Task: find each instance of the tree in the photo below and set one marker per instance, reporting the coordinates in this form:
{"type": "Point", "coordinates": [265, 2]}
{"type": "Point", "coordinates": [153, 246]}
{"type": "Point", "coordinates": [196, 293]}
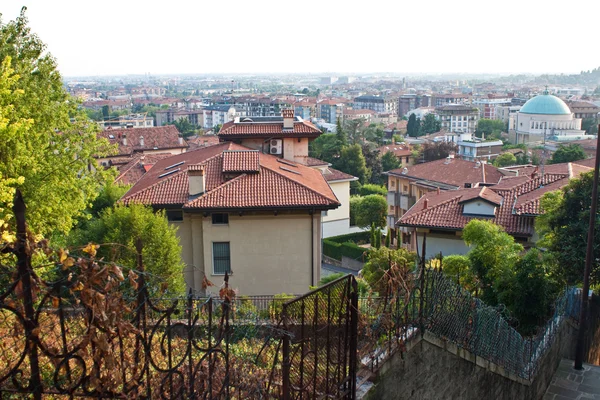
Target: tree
{"type": "Point", "coordinates": [47, 144]}
{"type": "Point", "coordinates": [373, 163]}
{"type": "Point", "coordinates": [184, 126]}
{"type": "Point", "coordinates": [372, 209]}
{"type": "Point", "coordinates": [493, 256]}
{"type": "Point", "coordinates": [370, 188]}
{"type": "Point", "coordinates": [568, 153]}
{"type": "Point", "coordinates": [389, 161]}
{"type": "Point", "coordinates": [458, 268]}
{"type": "Point", "coordinates": [505, 159]}
{"type": "Point", "coordinates": [563, 229]}
{"type": "Point", "coordinates": [124, 225]}
{"type": "Point", "coordinates": [412, 128]}
{"type": "Point", "coordinates": [353, 131]}
{"type": "Point", "coordinates": [436, 151]}
{"type": "Point", "coordinates": [326, 147]}
{"type": "Point", "coordinates": [352, 161]}
{"type": "Point", "coordinates": [431, 124]}
{"type": "Point", "coordinates": [388, 238]}
{"type": "Point", "coordinates": [340, 134]}
{"type": "Point", "coordinates": [590, 125]}
{"type": "Point", "coordinates": [380, 261]}
{"type": "Point", "coordinates": [491, 128]}
{"type": "Point", "coordinates": [354, 208]}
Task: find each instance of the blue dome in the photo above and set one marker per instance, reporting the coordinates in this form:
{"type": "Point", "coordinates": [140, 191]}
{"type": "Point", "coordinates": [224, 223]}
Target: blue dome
{"type": "Point", "coordinates": [545, 104]}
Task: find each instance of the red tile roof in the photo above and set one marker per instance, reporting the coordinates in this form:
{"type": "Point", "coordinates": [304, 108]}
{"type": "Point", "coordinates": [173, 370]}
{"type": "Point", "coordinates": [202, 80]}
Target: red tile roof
{"type": "Point", "coordinates": [517, 200]}
{"type": "Point", "coordinates": [240, 161]}
{"type": "Point", "coordinates": [155, 138]}
{"type": "Point", "coordinates": [137, 167]}
{"type": "Point", "coordinates": [333, 175]}
{"type": "Point", "coordinates": [314, 162]}
{"type": "Point", "coordinates": [399, 150]}
{"type": "Point", "coordinates": [278, 183]}
{"type": "Point", "coordinates": [454, 172]}
{"type": "Point", "coordinates": [239, 130]}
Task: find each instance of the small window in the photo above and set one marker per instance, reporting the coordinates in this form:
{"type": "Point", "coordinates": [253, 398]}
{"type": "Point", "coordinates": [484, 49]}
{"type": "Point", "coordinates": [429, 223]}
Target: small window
{"type": "Point", "coordinates": [220, 219]}
{"type": "Point", "coordinates": [221, 258]}
{"type": "Point", "coordinates": [393, 183]}
{"type": "Point", "coordinates": [405, 189]}
{"type": "Point", "coordinates": [174, 215]}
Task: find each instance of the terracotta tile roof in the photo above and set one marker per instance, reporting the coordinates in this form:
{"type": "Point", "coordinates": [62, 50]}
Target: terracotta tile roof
{"type": "Point", "coordinates": [155, 138]}
{"type": "Point", "coordinates": [240, 161]}
{"type": "Point", "coordinates": [233, 130]}
{"type": "Point", "coordinates": [278, 183]}
{"type": "Point", "coordinates": [314, 162]}
{"type": "Point", "coordinates": [456, 172]}
{"type": "Point", "coordinates": [202, 141]}
{"type": "Point", "coordinates": [399, 150]}
{"type": "Point", "coordinates": [517, 200]}
{"type": "Point", "coordinates": [137, 167]}
{"type": "Point", "coordinates": [485, 194]}
{"type": "Point", "coordinates": [332, 175]}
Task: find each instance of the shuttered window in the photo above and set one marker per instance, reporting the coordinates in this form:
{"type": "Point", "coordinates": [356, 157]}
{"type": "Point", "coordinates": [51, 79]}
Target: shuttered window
{"type": "Point", "coordinates": [221, 258]}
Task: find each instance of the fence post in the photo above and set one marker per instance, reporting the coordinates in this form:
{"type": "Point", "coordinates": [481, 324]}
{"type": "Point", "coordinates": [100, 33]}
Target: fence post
{"type": "Point", "coordinates": [422, 287]}
{"type": "Point", "coordinates": [286, 356]}
{"type": "Point", "coordinates": [353, 336]}
{"type": "Point", "coordinates": [25, 276]}
{"type": "Point", "coordinates": [140, 318]}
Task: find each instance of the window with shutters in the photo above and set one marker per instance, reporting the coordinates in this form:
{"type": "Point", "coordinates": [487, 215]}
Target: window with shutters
{"type": "Point", "coordinates": [221, 258]}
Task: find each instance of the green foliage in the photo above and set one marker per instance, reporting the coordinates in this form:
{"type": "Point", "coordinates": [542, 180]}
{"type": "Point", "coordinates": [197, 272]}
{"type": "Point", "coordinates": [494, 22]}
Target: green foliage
{"type": "Point", "coordinates": [340, 134]}
{"type": "Point", "coordinates": [430, 124]}
{"type": "Point", "coordinates": [436, 150]}
{"type": "Point", "coordinates": [372, 209]}
{"type": "Point", "coordinates": [358, 238]}
{"type": "Point", "coordinates": [354, 208]}
{"type": "Point", "coordinates": [337, 250]}
{"type": "Point", "coordinates": [184, 126]}
{"type": "Point", "coordinates": [123, 226]}
{"type": "Point", "coordinates": [458, 267]}
{"type": "Point", "coordinates": [590, 125]}
{"type": "Point", "coordinates": [370, 188]}
{"type": "Point", "coordinates": [413, 127]}
{"type": "Point", "coordinates": [493, 256]}
{"type": "Point", "coordinates": [330, 278]}
{"type": "Point", "coordinates": [380, 261]}
{"type": "Point", "coordinates": [398, 138]}
{"type": "Point", "coordinates": [373, 163]}
{"type": "Point", "coordinates": [352, 161]}
{"type": "Point", "coordinates": [326, 147]}
{"type": "Point", "coordinates": [46, 141]}
{"type": "Point", "coordinates": [491, 128]}
{"type": "Point", "coordinates": [505, 159]}
{"type": "Point", "coordinates": [388, 238]}
{"type": "Point", "coordinates": [563, 229]}
{"type": "Point", "coordinates": [389, 161]}
{"type": "Point", "coordinates": [568, 153]}
{"type": "Point", "coordinates": [373, 233]}
{"type": "Point", "coordinates": [378, 238]}
{"type": "Point", "coordinates": [107, 197]}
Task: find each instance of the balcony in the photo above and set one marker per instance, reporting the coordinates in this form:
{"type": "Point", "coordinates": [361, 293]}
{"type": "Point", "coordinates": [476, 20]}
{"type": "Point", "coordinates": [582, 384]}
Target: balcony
{"type": "Point", "coordinates": [397, 199]}
{"type": "Point", "coordinates": [391, 221]}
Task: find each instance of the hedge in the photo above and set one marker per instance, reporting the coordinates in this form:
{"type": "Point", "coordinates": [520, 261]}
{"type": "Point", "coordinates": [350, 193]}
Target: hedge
{"type": "Point", "coordinates": [357, 237]}
{"type": "Point", "coordinates": [371, 188]}
{"type": "Point", "coordinates": [337, 250]}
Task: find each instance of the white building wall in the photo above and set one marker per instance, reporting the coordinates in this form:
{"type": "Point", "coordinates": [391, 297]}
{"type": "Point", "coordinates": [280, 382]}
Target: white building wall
{"type": "Point", "coordinates": [446, 245]}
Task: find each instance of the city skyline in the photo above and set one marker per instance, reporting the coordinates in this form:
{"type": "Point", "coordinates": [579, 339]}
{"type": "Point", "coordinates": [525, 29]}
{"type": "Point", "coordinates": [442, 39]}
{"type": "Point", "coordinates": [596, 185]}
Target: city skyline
{"type": "Point", "coordinates": [123, 38]}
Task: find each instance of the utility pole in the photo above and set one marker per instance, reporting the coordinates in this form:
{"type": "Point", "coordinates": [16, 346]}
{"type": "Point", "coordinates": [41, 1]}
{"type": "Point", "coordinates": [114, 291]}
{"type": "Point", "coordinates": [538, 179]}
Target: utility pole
{"type": "Point", "coordinates": [589, 255]}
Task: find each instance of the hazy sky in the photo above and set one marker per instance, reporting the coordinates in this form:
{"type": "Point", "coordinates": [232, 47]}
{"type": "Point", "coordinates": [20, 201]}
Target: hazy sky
{"type": "Point", "coordinates": [111, 37]}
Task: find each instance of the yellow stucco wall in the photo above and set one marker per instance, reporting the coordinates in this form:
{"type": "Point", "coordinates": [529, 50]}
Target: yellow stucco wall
{"type": "Point", "coordinates": [269, 254]}
{"type": "Point", "coordinates": [342, 192]}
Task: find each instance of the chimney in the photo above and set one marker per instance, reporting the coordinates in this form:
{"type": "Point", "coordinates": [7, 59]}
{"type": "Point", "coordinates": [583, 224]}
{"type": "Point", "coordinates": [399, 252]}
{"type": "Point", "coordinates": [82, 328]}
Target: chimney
{"type": "Point", "coordinates": [124, 139]}
{"type": "Point", "coordinates": [425, 203]}
{"type": "Point", "coordinates": [288, 119]}
{"type": "Point", "coordinates": [196, 180]}
{"type": "Point", "coordinates": [141, 141]}
{"type": "Point", "coordinates": [180, 140]}
{"type": "Point", "coordinates": [438, 190]}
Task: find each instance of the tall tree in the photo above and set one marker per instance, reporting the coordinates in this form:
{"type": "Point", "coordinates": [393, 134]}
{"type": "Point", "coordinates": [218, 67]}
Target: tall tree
{"type": "Point", "coordinates": [47, 146]}
{"type": "Point", "coordinates": [352, 161]}
{"type": "Point", "coordinates": [412, 128]}
{"type": "Point", "coordinates": [568, 153]}
{"type": "Point", "coordinates": [373, 162]}
{"type": "Point", "coordinates": [372, 209]}
{"type": "Point", "coordinates": [341, 134]}
{"type": "Point", "coordinates": [352, 128]}
{"type": "Point", "coordinates": [389, 161]}
{"type": "Point", "coordinates": [431, 124]}
{"type": "Point", "coordinates": [505, 159]}
{"type": "Point", "coordinates": [326, 147]}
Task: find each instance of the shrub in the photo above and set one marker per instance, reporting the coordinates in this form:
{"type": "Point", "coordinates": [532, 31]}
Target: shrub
{"type": "Point", "coordinates": [371, 188]}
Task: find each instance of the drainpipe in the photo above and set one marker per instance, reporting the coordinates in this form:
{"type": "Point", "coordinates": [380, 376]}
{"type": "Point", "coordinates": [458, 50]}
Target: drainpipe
{"type": "Point", "coordinates": [312, 246]}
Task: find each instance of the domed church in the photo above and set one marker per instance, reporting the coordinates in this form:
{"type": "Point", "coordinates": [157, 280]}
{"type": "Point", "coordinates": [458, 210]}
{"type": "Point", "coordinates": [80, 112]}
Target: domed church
{"type": "Point", "coordinates": [545, 115]}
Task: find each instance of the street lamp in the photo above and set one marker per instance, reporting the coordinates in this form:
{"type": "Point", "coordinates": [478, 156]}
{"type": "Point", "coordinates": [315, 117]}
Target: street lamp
{"type": "Point", "coordinates": [588, 263]}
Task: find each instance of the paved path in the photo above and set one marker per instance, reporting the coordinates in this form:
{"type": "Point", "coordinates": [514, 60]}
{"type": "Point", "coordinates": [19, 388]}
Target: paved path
{"type": "Point", "coordinates": [568, 383]}
{"type": "Point", "coordinates": [328, 269]}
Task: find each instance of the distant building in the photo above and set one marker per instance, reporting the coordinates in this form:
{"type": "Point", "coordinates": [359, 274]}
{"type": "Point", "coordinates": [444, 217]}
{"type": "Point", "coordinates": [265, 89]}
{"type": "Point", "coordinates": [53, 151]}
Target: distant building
{"type": "Point", "coordinates": [164, 117]}
{"type": "Point", "coordinates": [583, 109]}
{"type": "Point", "coordinates": [439, 100]}
{"type": "Point", "coordinates": [217, 115]}
{"type": "Point", "coordinates": [487, 105]}
{"type": "Point", "coordinates": [330, 111]}
{"type": "Point", "coordinates": [409, 102]}
{"type": "Point", "coordinates": [128, 121]}
{"type": "Point", "coordinates": [545, 117]}
{"type": "Point", "coordinates": [378, 104]}
{"type": "Point", "coordinates": [471, 148]}
{"type": "Point", "coordinates": [350, 114]}
{"type": "Point", "coordinates": [458, 118]}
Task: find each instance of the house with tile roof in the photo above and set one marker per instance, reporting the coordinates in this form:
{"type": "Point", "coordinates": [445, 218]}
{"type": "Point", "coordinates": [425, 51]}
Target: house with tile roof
{"type": "Point", "coordinates": [243, 212]}
{"type": "Point", "coordinates": [287, 137]}
{"type": "Point", "coordinates": [158, 139]}
{"type": "Point", "coordinates": [512, 203]}
{"type": "Point", "coordinates": [408, 184]}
